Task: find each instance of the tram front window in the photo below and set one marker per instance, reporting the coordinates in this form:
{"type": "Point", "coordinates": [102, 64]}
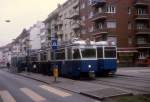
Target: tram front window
{"type": "Point", "coordinates": [88, 53]}
{"type": "Point", "coordinates": [110, 52]}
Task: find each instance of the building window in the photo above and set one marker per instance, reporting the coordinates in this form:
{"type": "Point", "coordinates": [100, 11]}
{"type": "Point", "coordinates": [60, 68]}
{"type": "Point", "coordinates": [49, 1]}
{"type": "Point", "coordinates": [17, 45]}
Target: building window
{"type": "Point", "coordinates": [83, 31]}
{"type": "Point", "coordinates": [82, 5]}
{"type": "Point", "coordinates": [129, 40]}
{"type": "Point", "coordinates": [89, 2]}
{"type": "Point", "coordinates": [141, 11]}
{"type": "Point", "coordinates": [129, 25]}
{"type": "Point", "coordinates": [141, 40]}
{"type": "Point", "coordinates": [111, 24]}
{"type": "Point", "coordinates": [129, 10]}
{"type": "Point", "coordinates": [91, 14]}
{"type": "Point", "coordinates": [100, 25]}
{"type": "Point", "coordinates": [112, 39]}
{"type": "Point", "coordinates": [100, 10]}
{"type": "Point", "coordinates": [141, 26]}
{"type": "Point", "coordinates": [83, 18]}
{"type": "Point", "coordinates": [91, 29]}
{"type": "Point", "coordinates": [111, 9]}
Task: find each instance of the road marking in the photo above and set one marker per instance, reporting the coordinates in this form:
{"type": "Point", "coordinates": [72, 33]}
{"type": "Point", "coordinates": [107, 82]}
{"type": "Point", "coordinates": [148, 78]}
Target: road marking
{"type": "Point", "coordinates": [55, 91]}
{"type": "Point", "coordinates": [34, 96]}
{"type": "Point", "coordinates": [6, 96]}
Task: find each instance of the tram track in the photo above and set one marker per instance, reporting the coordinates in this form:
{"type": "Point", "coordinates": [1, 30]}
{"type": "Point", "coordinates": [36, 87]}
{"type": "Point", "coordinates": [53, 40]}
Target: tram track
{"type": "Point", "coordinates": [124, 87]}
{"type": "Point", "coordinates": [127, 82]}
{"type": "Point", "coordinates": [133, 77]}
{"type": "Point", "coordinates": [134, 84]}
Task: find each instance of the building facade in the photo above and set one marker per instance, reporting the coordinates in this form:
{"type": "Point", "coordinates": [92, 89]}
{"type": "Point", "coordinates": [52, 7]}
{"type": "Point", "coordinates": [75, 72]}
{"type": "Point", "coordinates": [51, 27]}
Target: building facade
{"type": "Point", "coordinates": [126, 22]}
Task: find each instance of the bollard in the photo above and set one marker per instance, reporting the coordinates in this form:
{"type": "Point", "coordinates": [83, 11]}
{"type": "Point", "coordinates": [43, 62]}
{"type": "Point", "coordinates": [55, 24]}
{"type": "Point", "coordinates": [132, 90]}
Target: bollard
{"type": "Point", "coordinates": [55, 73]}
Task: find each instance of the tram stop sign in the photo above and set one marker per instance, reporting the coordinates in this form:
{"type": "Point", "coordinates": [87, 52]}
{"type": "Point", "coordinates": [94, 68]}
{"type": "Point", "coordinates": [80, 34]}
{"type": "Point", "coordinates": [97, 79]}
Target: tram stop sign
{"type": "Point", "coordinates": [54, 44]}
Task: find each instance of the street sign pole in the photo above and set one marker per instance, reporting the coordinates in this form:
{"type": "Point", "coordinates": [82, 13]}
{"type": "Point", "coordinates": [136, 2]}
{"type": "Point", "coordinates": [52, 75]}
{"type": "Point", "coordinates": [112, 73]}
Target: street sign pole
{"type": "Point", "coordinates": [55, 68]}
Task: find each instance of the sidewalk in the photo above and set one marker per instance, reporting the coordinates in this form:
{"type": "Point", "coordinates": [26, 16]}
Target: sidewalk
{"type": "Point", "coordinates": [85, 88]}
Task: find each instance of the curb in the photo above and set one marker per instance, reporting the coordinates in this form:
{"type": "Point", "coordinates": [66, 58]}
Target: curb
{"type": "Point", "coordinates": [98, 98]}
{"type": "Point", "coordinates": [81, 93]}
{"type": "Point", "coordinates": [48, 83]}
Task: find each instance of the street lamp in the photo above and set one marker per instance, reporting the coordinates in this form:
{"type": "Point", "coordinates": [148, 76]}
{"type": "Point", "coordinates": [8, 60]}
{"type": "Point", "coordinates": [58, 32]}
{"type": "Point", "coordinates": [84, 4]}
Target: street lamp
{"type": "Point", "coordinates": [7, 21]}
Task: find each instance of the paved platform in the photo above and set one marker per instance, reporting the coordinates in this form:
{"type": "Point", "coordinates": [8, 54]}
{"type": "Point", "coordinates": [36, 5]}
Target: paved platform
{"type": "Point", "coordinates": [89, 89]}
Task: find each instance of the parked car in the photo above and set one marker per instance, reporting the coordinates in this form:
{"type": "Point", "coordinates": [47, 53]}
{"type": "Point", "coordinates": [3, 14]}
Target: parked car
{"type": "Point", "coordinates": [148, 61]}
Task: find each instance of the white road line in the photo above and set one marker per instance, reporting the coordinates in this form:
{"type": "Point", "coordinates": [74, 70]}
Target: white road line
{"type": "Point", "coordinates": [55, 91]}
{"type": "Point", "coordinates": [34, 96]}
{"type": "Point", "coordinates": [6, 96]}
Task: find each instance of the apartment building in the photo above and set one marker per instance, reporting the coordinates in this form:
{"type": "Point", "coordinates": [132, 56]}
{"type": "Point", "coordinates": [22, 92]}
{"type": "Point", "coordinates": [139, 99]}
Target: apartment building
{"type": "Point", "coordinates": [36, 39]}
{"type": "Point", "coordinates": [126, 22]}
{"type": "Point", "coordinates": [68, 21]}
{"type": "Point", "coordinates": [50, 31]}
{"type": "Point", "coordinates": [64, 21]}
{"type": "Point", "coordinates": [21, 42]}
{"type": "Point", "coordinates": [5, 55]}
{"type": "Point", "coordinates": [63, 24]}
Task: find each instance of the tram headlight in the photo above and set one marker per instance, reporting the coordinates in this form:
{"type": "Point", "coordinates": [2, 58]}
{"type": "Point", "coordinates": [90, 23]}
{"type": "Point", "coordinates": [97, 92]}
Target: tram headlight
{"type": "Point", "coordinates": [89, 66]}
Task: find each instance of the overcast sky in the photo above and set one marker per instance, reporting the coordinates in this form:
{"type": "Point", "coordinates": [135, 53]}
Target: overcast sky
{"type": "Point", "coordinates": [23, 14]}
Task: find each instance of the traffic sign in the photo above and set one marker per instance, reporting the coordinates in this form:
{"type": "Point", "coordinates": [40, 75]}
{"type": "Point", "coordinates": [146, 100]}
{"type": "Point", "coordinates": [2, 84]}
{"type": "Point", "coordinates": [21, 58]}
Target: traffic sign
{"type": "Point", "coordinates": [54, 44]}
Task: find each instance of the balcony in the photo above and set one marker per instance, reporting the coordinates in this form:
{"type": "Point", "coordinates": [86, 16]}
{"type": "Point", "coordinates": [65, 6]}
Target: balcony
{"type": "Point", "coordinates": [141, 3]}
{"type": "Point", "coordinates": [96, 3]}
{"type": "Point", "coordinates": [142, 16]}
{"type": "Point", "coordinates": [142, 31]}
{"type": "Point", "coordinates": [75, 15]}
{"type": "Point", "coordinates": [144, 45]}
{"type": "Point", "coordinates": [75, 26]}
{"type": "Point", "coordinates": [59, 22]}
{"type": "Point", "coordinates": [99, 17]}
{"type": "Point", "coordinates": [59, 32]}
{"type": "Point", "coordinates": [99, 32]}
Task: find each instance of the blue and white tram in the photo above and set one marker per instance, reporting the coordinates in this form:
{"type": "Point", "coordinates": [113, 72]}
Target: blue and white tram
{"type": "Point", "coordinates": [106, 58]}
{"type": "Point", "coordinates": [81, 58]}
{"type": "Point", "coordinates": [77, 59]}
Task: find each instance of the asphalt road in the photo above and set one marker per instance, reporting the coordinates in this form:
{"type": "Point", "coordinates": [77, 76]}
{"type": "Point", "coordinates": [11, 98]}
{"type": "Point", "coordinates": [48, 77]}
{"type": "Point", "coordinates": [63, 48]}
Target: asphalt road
{"type": "Point", "coordinates": [14, 88]}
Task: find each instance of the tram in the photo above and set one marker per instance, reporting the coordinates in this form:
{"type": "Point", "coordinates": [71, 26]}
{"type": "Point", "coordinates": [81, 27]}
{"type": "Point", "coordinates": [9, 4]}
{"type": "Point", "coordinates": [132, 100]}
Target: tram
{"type": "Point", "coordinates": [81, 58]}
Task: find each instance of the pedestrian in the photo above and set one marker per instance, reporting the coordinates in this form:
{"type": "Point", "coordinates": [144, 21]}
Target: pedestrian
{"type": "Point", "coordinates": [8, 65]}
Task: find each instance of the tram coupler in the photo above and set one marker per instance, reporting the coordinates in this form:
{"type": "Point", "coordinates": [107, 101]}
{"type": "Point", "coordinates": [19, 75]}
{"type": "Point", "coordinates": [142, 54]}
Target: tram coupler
{"type": "Point", "coordinates": [91, 74]}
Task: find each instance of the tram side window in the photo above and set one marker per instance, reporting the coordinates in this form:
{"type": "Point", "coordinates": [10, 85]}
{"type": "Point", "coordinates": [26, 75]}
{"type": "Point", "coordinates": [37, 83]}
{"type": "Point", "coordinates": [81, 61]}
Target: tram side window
{"type": "Point", "coordinates": [110, 52]}
{"type": "Point", "coordinates": [69, 53]}
{"type": "Point", "coordinates": [52, 55]}
{"type": "Point", "coordinates": [100, 52]}
{"type": "Point", "coordinates": [76, 54]}
{"type": "Point", "coordinates": [60, 55]}
{"type": "Point", "coordinates": [88, 53]}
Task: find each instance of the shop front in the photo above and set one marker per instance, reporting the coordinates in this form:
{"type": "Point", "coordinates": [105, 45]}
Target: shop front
{"type": "Point", "coordinates": [127, 57]}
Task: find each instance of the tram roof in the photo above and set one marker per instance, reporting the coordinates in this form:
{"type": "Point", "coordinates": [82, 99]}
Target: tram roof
{"type": "Point", "coordinates": [90, 43]}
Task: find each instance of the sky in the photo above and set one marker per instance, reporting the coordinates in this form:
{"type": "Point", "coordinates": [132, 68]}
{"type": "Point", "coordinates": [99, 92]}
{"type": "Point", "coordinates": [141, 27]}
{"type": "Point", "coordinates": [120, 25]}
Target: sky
{"type": "Point", "coordinates": [22, 14]}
